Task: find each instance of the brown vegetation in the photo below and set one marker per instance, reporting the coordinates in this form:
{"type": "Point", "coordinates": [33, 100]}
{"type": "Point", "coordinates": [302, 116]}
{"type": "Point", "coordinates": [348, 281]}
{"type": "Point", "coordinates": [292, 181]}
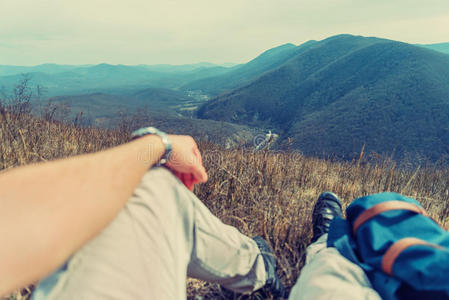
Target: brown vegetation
{"type": "Point", "coordinates": [261, 193]}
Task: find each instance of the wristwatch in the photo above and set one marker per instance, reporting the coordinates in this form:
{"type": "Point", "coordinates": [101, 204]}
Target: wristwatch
{"type": "Point", "coordinates": [164, 137]}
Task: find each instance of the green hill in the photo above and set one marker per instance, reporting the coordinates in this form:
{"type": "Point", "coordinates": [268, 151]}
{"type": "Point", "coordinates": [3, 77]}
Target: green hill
{"type": "Point", "coordinates": [348, 91]}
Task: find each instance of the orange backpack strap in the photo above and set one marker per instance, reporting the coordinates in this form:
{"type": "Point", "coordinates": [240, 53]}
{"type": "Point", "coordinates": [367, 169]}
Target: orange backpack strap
{"type": "Point", "coordinates": [383, 207]}
{"type": "Point", "coordinates": [397, 248]}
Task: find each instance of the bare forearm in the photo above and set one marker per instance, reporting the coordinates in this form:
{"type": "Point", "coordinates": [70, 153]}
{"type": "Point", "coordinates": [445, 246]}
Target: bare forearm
{"type": "Point", "coordinates": [49, 211]}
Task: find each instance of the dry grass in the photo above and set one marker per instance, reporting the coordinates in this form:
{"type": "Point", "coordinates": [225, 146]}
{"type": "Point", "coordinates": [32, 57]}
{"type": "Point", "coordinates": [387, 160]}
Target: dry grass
{"type": "Point", "coordinates": [272, 194]}
{"type": "Point", "coordinates": [26, 139]}
{"type": "Point", "coordinates": [263, 193]}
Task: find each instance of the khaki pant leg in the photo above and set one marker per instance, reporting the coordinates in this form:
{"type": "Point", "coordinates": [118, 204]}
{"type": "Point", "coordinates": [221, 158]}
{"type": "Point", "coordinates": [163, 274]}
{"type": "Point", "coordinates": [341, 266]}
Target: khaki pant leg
{"type": "Point", "coordinates": [163, 233]}
{"type": "Point", "coordinates": [329, 275]}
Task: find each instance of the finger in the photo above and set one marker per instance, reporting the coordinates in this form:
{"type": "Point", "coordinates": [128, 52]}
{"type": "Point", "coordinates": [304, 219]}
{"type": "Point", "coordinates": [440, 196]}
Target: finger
{"type": "Point", "coordinates": [199, 173]}
{"type": "Point", "coordinates": [201, 178]}
{"type": "Point", "coordinates": [197, 154]}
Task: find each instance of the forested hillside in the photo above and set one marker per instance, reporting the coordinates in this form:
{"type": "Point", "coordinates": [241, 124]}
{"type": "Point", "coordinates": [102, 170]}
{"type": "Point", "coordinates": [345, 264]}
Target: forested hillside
{"type": "Point", "coordinates": [346, 92]}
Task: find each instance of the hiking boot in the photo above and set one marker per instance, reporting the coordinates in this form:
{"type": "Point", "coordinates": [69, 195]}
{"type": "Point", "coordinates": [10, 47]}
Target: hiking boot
{"type": "Point", "coordinates": [326, 208]}
{"type": "Point", "coordinates": [272, 285]}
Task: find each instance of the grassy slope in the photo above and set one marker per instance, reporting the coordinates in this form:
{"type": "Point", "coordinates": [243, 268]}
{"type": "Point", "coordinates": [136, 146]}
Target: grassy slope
{"type": "Point", "coordinates": [265, 193]}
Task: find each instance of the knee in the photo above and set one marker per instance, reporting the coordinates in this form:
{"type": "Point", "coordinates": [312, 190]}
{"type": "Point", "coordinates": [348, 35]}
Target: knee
{"type": "Point", "coordinates": [162, 191]}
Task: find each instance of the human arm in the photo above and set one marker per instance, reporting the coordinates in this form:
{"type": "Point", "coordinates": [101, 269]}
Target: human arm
{"type": "Point", "coordinates": [49, 210]}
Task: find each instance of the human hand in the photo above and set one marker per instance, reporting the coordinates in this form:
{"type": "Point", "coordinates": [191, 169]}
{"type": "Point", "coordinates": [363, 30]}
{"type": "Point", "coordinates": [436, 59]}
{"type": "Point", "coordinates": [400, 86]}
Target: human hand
{"type": "Point", "coordinates": [185, 161]}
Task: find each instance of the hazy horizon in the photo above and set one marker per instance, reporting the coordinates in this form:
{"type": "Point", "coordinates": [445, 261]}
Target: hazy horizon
{"type": "Point", "coordinates": [179, 32]}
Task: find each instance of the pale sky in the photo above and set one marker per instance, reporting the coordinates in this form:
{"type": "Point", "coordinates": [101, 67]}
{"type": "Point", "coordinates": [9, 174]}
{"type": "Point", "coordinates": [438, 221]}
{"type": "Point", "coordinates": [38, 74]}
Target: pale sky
{"type": "Point", "coordinates": [189, 31]}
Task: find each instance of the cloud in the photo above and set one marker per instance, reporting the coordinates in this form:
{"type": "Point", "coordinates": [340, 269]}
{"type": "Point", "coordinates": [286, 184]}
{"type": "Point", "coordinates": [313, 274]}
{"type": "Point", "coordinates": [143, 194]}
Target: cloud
{"type": "Point", "coordinates": [180, 31]}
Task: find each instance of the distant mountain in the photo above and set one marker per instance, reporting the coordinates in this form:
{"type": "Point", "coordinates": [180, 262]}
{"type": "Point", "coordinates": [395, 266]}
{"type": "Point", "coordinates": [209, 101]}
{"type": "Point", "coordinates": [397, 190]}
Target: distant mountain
{"type": "Point", "coordinates": [85, 79]}
{"type": "Point", "coordinates": [441, 47]}
{"type": "Point", "coordinates": [205, 78]}
{"type": "Point", "coordinates": [6, 70]}
{"type": "Point", "coordinates": [44, 68]}
{"type": "Point", "coordinates": [243, 74]}
{"type": "Point", "coordinates": [72, 80]}
{"type": "Point", "coordinates": [348, 91]}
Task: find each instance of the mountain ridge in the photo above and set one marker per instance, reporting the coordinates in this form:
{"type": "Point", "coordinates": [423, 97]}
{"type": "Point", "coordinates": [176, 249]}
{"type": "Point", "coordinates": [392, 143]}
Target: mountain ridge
{"type": "Point", "coordinates": [244, 74]}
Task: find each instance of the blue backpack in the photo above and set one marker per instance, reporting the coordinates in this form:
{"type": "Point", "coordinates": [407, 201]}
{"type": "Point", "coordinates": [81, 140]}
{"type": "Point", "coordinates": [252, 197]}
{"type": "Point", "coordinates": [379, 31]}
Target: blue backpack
{"type": "Point", "coordinates": [404, 252]}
